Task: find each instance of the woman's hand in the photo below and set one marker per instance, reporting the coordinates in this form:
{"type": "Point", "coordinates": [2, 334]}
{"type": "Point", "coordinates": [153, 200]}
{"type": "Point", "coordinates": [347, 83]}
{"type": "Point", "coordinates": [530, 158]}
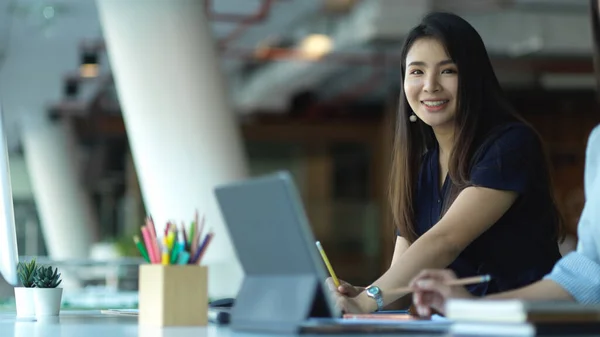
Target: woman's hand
{"type": "Point", "coordinates": [346, 296]}
{"type": "Point", "coordinates": [431, 291]}
{"type": "Point", "coordinates": [344, 288]}
{"type": "Point", "coordinates": [351, 305]}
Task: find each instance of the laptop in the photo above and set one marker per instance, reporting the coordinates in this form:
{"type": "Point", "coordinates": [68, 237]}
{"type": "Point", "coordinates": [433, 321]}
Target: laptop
{"type": "Point", "coordinates": [284, 287]}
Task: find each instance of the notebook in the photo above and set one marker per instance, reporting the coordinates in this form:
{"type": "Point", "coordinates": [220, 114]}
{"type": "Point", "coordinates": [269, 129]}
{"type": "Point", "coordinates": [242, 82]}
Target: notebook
{"type": "Point", "coordinates": [524, 329]}
{"type": "Point", "coordinates": [519, 311]}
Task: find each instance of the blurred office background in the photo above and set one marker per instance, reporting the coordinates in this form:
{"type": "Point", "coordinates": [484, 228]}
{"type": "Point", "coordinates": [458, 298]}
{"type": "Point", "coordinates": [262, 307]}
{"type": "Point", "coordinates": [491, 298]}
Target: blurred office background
{"type": "Point", "coordinates": [313, 86]}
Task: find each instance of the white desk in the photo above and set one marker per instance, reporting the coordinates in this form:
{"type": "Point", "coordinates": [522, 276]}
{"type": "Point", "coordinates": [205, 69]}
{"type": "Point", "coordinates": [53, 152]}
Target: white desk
{"type": "Point", "coordinates": [94, 324]}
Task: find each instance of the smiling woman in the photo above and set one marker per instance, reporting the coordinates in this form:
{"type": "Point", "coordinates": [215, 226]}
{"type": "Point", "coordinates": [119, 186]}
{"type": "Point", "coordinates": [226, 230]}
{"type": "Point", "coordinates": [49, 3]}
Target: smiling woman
{"type": "Point", "coordinates": [470, 185]}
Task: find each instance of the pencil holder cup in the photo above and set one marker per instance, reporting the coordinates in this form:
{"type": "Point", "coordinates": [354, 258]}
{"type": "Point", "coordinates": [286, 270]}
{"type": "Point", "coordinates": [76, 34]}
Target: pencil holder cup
{"type": "Point", "coordinates": [173, 295]}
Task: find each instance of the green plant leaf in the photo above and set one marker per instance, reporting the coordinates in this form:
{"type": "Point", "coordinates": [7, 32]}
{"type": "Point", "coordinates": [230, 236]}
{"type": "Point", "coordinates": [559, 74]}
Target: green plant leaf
{"type": "Point", "coordinates": [46, 277]}
{"type": "Point", "coordinates": [26, 271]}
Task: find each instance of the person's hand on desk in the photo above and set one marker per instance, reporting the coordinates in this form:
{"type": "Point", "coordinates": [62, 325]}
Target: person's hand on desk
{"type": "Point", "coordinates": [353, 305]}
{"type": "Point", "coordinates": [344, 288]}
{"type": "Point", "coordinates": [431, 291]}
{"type": "Point", "coordinates": [345, 296]}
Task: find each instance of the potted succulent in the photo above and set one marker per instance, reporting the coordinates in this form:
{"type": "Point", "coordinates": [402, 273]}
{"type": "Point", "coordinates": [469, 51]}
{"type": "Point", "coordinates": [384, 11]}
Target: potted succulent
{"type": "Point", "coordinates": [47, 296]}
{"type": "Point", "coordinates": [24, 294]}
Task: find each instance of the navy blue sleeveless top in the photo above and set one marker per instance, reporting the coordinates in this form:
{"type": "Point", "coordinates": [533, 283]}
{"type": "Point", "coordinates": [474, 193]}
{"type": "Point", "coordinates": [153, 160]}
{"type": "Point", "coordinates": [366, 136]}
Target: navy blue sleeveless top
{"type": "Point", "coordinates": [521, 247]}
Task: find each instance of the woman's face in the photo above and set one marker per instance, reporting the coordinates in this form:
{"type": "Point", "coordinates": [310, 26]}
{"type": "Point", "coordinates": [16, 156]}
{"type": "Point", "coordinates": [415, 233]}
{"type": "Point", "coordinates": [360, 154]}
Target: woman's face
{"type": "Point", "coordinates": [431, 83]}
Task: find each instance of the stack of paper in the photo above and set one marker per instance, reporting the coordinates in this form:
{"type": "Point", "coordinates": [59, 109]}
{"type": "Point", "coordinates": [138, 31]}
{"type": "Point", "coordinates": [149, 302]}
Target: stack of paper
{"type": "Point", "coordinates": [516, 317]}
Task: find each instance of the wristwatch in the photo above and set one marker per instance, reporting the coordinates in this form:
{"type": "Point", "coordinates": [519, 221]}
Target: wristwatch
{"type": "Point", "coordinates": [375, 293]}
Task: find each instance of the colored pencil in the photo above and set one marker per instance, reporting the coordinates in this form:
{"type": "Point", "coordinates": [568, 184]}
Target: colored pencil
{"type": "Point", "coordinates": [153, 237]}
{"type": "Point", "coordinates": [336, 281]}
{"type": "Point", "coordinates": [149, 246]}
{"type": "Point", "coordinates": [460, 282]}
{"type": "Point", "coordinates": [209, 238]}
{"type": "Point", "coordinates": [141, 248]}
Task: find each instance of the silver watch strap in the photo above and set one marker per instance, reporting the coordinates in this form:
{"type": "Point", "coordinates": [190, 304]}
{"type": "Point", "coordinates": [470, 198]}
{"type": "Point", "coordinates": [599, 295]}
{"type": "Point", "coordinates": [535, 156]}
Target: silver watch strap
{"type": "Point", "coordinates": [379, 301]}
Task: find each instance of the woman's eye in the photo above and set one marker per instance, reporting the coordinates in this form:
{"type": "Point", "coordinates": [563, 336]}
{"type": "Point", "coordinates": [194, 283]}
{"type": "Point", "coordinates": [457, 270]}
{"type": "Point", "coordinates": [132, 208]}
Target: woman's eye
{"type": "Point", "coordinates": [449, 71]}
{"type": "Point", "coordinates": [416, 72]}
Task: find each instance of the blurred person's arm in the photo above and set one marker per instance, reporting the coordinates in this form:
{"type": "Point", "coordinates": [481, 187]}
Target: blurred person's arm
{"type": "Point", "coordinates": [431, 292]}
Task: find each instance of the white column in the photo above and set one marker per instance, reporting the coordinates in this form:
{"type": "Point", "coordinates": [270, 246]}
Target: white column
{"type": "Point", "coordinates": [182, 132]}
{"type": "Point", "coordinates": [66, 216]}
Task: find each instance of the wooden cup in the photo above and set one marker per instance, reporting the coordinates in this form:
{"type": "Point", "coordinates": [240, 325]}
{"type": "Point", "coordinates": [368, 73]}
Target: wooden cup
{"type": "Point", "coordinates": [173, 295]}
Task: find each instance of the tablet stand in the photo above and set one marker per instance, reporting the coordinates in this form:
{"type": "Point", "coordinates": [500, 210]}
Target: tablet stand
{"type": "Point", "coordinates": [277, 303]}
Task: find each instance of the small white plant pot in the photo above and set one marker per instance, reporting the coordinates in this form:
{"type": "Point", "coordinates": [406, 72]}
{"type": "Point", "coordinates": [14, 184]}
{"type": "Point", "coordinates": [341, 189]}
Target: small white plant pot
{"type": "Point", "coordinates": [24, 300]}
{"type": "Point", "coordinates": [47, 301]}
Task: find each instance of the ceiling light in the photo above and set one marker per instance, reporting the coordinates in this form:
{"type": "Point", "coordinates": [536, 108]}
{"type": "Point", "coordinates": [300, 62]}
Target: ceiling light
{"type": "Point", "coordinates": [315, 46]}
{"type": "Point", "coordinates": [89, 64]}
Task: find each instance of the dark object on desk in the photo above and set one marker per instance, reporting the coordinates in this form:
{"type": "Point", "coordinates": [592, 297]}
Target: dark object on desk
{"type": "Point", "coordinates": [219, 311]}
{"type": "Point", "coordinates": [222, 303]}
{"type": "Point", "coordinates": [219, 315]}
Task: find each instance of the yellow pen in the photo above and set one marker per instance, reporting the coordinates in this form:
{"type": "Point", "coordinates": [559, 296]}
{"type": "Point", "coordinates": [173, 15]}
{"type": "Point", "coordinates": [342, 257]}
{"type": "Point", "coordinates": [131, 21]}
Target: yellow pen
{"type": "Point", "coordinates": [326, 260]}
{"type": "Point", "coordinates": [170, 240]}
{"type": "Point", "coordinates": [166, 259]}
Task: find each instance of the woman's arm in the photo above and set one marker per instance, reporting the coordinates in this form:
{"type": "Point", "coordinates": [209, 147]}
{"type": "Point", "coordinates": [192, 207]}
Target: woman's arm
{"type": "Point", "coordinates": [405, 301]}
{"type": "Point", "coordinates": [347, 289]}
{"type": "Point", "coordinates": [401, 246]}
{"type": "Point", "coordinates": [474, 211]}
